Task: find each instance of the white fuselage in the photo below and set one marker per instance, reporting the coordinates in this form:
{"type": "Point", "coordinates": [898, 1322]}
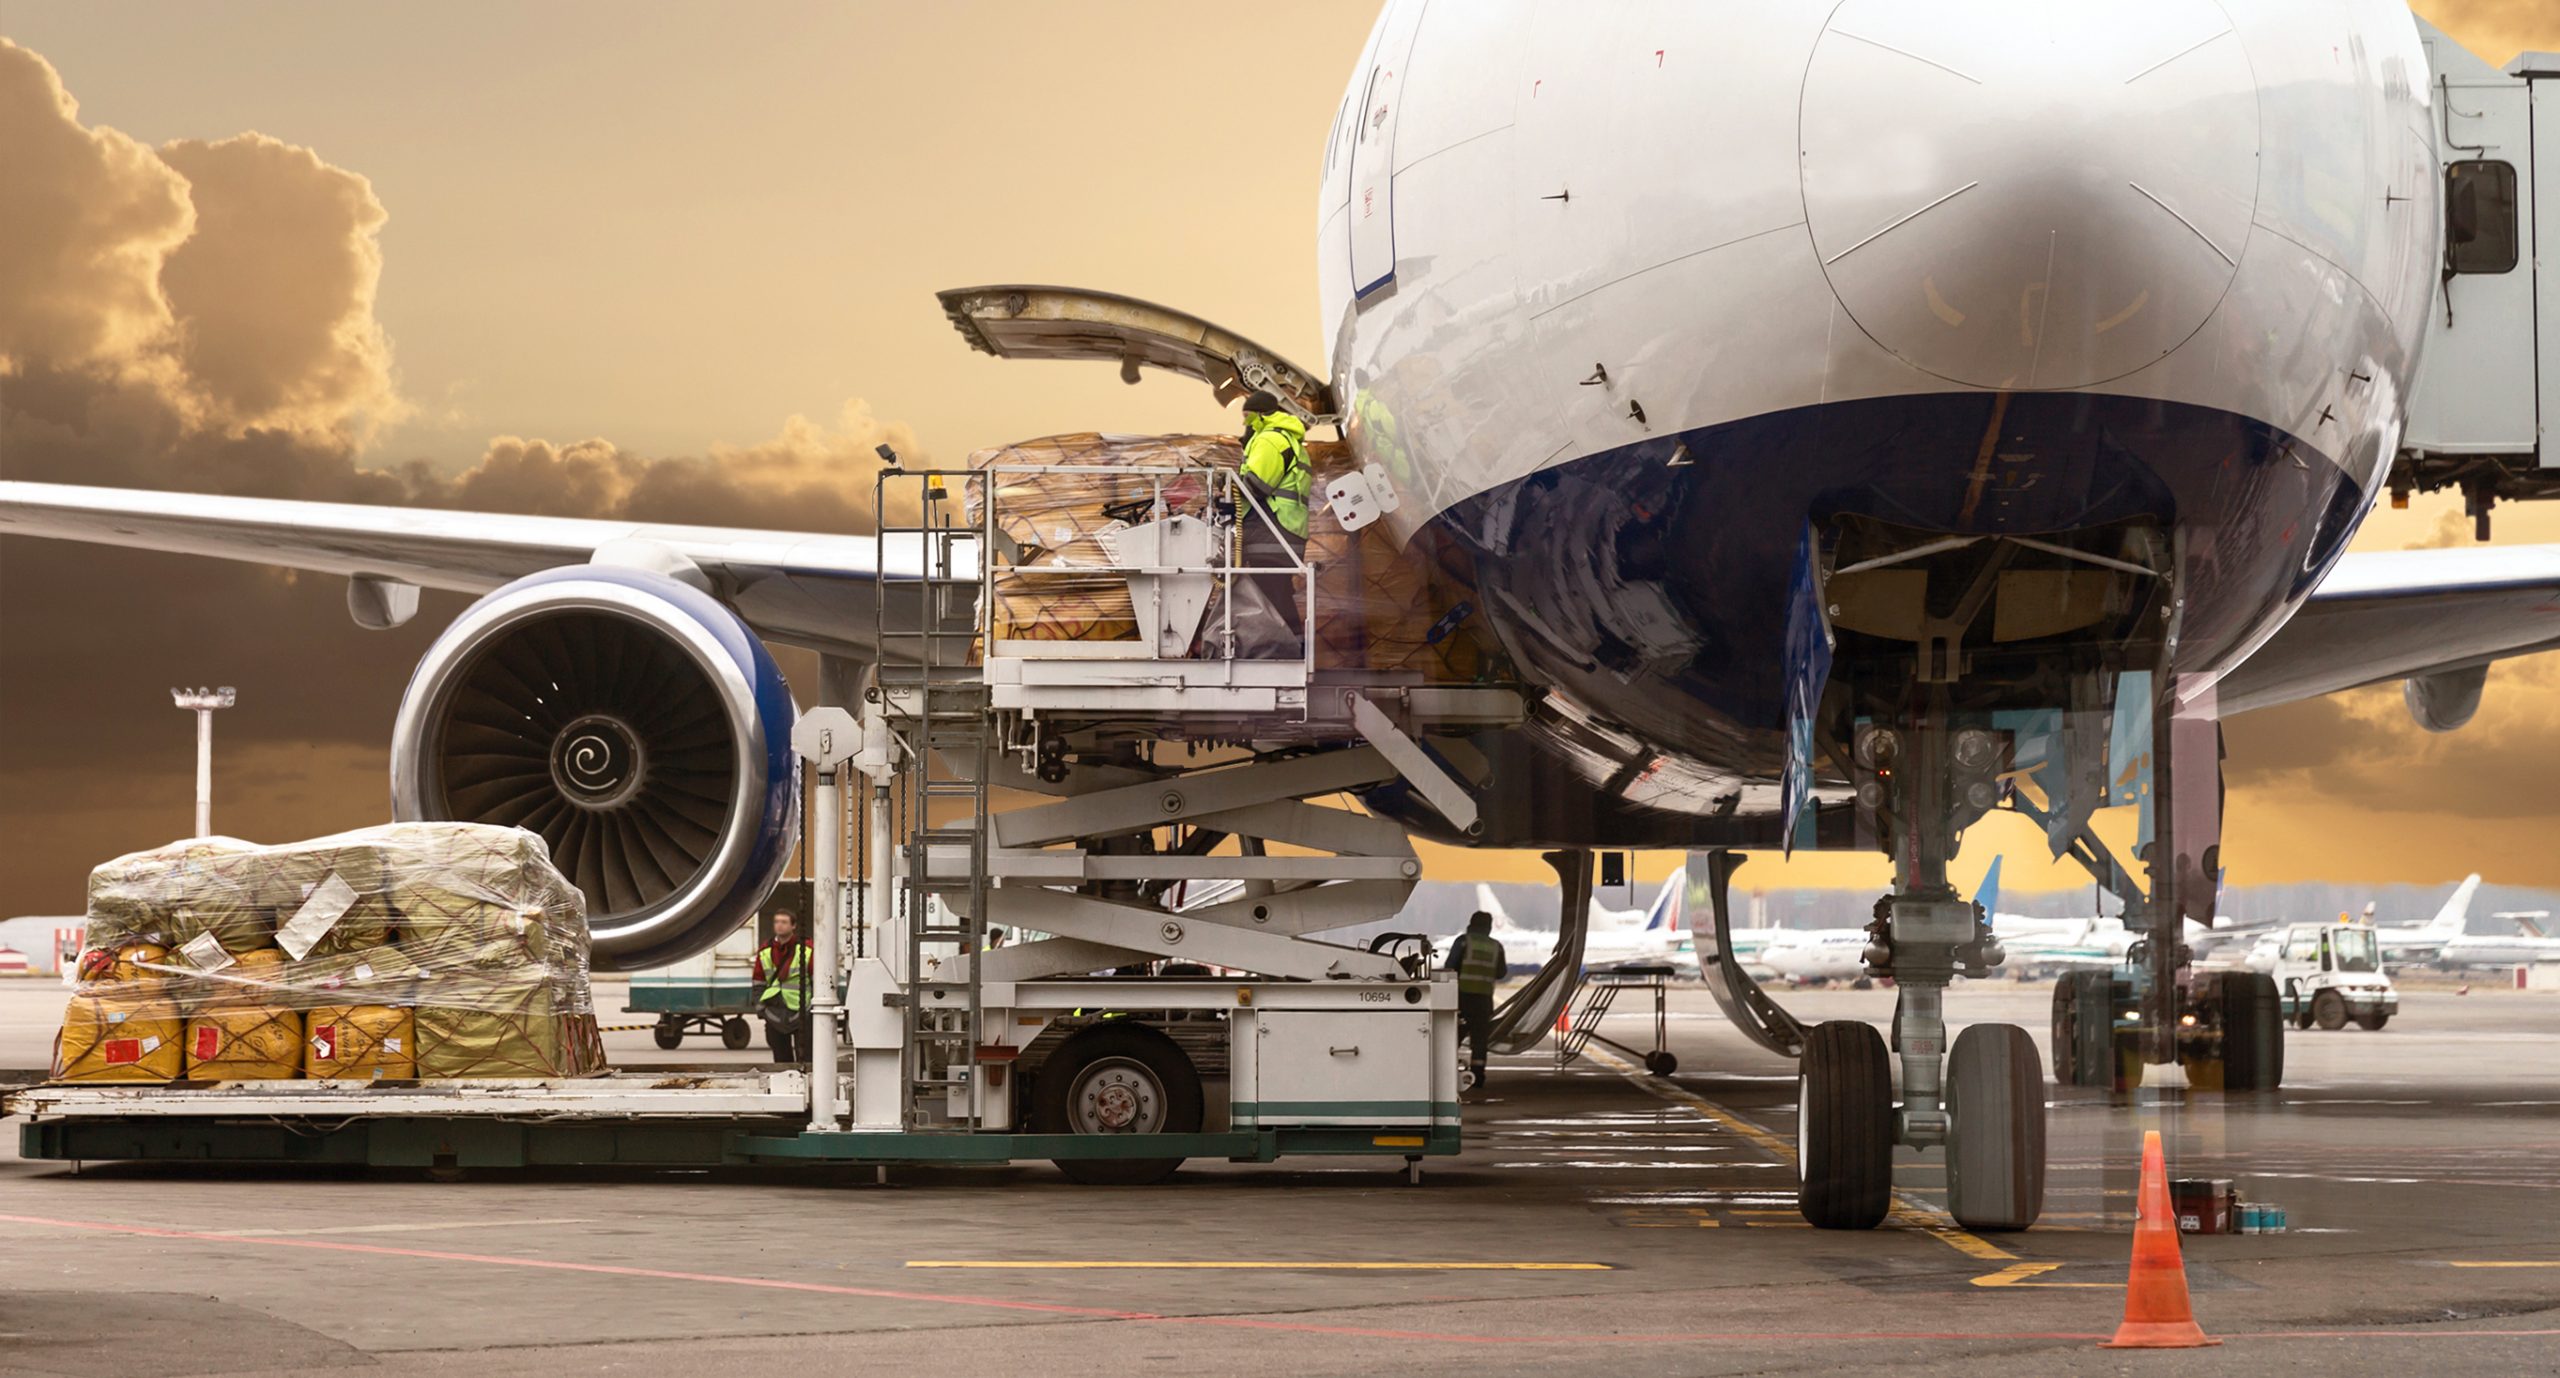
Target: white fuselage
{"type": "Point", "coordinates": [1814, 257]}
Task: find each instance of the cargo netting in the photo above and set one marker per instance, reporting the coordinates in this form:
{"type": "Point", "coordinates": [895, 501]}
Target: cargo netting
{"type": "Point", "coordinates": [407, 951]}
{"type": "Point", "coordinates": [1382, 604]}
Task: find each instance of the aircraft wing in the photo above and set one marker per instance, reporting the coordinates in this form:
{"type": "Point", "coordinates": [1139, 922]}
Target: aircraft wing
{"type": "Point", "coordinates": [800, 588]}
{"type": "Point", "coordinates": [2390, 615]}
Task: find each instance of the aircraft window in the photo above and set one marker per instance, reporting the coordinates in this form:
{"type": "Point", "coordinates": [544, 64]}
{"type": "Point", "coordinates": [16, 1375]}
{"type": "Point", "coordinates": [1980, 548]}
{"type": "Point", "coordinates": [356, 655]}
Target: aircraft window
{"type": "Point", "coordinates": [2480, 217]}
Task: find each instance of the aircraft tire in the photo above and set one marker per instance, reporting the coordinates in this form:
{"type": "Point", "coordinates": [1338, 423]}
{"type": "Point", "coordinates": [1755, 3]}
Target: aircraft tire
{"type": "Point", "coordinates": [2252, 1032]}
{"type": "Point", "coordinates": [1995, 1137]}
{"type": "Point", "coordinates": [1844, 1127]}
{"type": "Point", "coordinates": [2084, 1030]}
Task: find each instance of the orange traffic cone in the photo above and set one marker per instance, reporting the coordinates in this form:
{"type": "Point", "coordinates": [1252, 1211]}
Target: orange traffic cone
{"type": "Point", "coordinates": [2156, 1311]}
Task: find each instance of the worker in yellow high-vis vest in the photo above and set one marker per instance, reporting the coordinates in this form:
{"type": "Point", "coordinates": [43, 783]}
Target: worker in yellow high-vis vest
{"type": "Point", "coordinates": [1480, 963]}
{"type": "Point", "coordinates": [781, 977]}
{"type": "Point", "coordinates": [1279, 480]}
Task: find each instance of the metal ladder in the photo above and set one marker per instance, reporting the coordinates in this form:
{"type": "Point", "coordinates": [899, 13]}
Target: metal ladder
{"type": "Point", "coordinates": [937, 705]}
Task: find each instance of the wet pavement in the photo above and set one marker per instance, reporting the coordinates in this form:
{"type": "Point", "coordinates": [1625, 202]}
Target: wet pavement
{"type": "Point", "coordinates": [1600, 1219]}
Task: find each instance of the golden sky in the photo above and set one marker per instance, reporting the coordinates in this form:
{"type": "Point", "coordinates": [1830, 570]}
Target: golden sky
{"type": "Point", "coordinates": [677, 259]}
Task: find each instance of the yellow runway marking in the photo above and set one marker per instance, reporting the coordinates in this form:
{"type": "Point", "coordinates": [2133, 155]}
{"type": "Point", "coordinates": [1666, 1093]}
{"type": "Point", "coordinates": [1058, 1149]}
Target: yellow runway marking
{"type": "Point", "coordinates": [1276, 1263]}
{"type": "Point", "coordinates": [1906, 1212]}
{"type": "Point", "coordinates": [2017, 1275]}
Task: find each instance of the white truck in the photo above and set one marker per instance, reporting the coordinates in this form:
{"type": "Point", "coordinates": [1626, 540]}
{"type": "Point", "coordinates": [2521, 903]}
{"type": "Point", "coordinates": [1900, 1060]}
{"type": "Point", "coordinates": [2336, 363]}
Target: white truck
{"type": "Point", "coordinates": [2327, 974]}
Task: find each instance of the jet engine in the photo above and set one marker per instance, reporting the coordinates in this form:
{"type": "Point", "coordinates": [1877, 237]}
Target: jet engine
{"type": "Point", "coordinates": [633, 722]}
{"type": "Point", "coordinates": [2445, 701]}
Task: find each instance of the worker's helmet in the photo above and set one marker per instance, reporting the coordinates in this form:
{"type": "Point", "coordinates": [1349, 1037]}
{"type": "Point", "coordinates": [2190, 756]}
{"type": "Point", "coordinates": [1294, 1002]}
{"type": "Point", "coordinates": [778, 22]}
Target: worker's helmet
{"type": "Point", "coordinates": [1261, 403]}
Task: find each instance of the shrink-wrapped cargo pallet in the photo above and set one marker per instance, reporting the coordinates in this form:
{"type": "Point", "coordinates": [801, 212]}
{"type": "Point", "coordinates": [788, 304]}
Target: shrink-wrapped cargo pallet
{"type": "Point", "coordinates": [1380, 605]}
{"type": "Point", "coordinates": [409, 950]}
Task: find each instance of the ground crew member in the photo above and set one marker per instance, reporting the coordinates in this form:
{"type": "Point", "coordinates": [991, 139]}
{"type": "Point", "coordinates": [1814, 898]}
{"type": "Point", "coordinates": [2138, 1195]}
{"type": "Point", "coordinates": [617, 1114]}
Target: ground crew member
{"type": "Point", "coordinates": [781, 974]}
{"type": "Point", "coordinates": [1480, 963]}
{"type": "Point", "coordinates": [1279, 479]}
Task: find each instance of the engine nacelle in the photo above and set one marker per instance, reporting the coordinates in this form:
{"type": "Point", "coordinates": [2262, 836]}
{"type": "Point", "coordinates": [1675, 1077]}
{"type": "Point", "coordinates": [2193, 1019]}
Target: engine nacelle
{"type": "Point", "coordinates": [633, 722]}
{"type": "Point", "coordinates": [2443, 702]}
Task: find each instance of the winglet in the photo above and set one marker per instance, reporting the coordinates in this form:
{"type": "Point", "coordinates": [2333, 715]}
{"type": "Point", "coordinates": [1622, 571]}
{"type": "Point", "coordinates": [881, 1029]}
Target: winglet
{"type": "Point", "coordinates": [1987, 894]}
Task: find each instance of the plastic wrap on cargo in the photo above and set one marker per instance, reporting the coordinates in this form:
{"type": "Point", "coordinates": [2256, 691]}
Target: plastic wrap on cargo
{"type": "Point", "coordinates": [345, 957]}
{"type": "Point", "coordinates": [1381, 605]}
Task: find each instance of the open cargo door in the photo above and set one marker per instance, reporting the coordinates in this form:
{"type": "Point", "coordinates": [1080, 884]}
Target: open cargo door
{"type": "Point", "coordinates": [1020, 322]}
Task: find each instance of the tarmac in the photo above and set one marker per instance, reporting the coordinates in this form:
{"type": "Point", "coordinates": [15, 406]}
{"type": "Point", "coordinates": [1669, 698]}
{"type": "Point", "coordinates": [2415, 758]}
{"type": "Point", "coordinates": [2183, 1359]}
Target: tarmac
{"type": "Point", "coordinates": [1600, 1220]}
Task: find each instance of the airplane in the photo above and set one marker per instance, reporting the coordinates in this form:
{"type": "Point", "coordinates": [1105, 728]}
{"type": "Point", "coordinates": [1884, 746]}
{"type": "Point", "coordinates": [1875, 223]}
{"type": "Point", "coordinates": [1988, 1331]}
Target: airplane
{"type": "Point", "coordinates": [1816, 403]}
{"type": "Point", "coordinates": [2527, 921]}
{"type": "Point", "coordinates": [2399, 944]}
{"type": "Point", "coordinates": [2425, 942]}
{"type": "Point", "coordinates": [2526, 946]}
{"type": "Point", "coordinates": [1650, 936]}
{"type": "Point", "coordinates": [1811, 955]}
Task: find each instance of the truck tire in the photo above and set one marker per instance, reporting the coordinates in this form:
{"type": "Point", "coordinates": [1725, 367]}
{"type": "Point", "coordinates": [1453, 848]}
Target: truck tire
{"type": "Point", "coordinates": [1117, 1078]}
{"type": "Point", "coordinates": [734, 1034]}
{"type": "Point", "coordinates": [1995, 1139]}
{"type": "Point", "coordinates": [2372, 1020]}
{"type": "Point", "coordinates": [1844, 1127]}
{"type": "Point", "coordinates": [669, 1033]}
{"type": "Point", "coordinates": [2252, 1032]}
{"type": "Point", "coordinates": [2329, 1011]}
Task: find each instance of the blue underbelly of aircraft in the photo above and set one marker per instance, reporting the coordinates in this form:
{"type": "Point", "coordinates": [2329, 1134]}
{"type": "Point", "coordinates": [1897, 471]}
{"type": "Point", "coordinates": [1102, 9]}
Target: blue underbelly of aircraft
{"type": "Point", "coordinates": [1648, 586]}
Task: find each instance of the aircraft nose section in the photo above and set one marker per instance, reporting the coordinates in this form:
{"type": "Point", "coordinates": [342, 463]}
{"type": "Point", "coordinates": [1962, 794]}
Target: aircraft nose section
{"type": "Point", "coordinates": [2023, 194]}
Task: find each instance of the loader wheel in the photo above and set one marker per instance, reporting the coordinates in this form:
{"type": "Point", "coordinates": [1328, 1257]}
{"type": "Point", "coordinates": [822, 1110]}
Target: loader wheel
{"type": "Point", "coordinates": [1117, 1078]}
{"type": "Point", "coordinates": [1844, 1127]}
{"type": "Point", "coordinates": [669, 1033]}
{"type": "Point", "coordinates": [735, 1035]}
{"type": "Point", "coordinates": [2329, 1011]}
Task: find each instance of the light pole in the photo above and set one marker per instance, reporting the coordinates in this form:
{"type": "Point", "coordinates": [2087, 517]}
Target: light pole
{"type": "Point", "coordinates": [202, 702]}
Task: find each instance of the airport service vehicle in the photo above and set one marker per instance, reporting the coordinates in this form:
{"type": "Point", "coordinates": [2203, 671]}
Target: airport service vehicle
{"type": "Point", "coordinates": [2329, 973]}
{"type": "Point", "coordinates": [1975, 420]}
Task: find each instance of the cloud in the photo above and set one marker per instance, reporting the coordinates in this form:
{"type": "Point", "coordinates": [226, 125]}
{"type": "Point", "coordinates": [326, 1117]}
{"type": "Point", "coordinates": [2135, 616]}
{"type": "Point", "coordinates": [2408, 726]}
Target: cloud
{"type": "Point", "coordinates": [809, 477]}
{"type": "Point", "coordinates": [200, 318]}
{"type": "Point", "coordinates": [91, 215]}
{"type": "Point", "coordinates": [274, 291]}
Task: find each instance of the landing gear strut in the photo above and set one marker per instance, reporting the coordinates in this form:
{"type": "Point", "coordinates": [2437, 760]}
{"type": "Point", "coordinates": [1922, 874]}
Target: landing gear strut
{"type": "Point", "coordinates": [1985, 1107]}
